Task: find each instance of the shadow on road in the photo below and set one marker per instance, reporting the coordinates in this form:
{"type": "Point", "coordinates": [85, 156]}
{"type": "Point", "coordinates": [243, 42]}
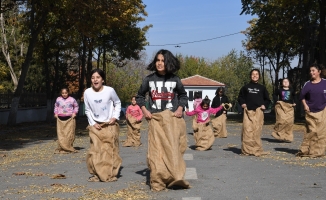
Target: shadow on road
{"type": "Point", "coordinates": [287, 150]}
{"type": "Point", "coordinates": [145, 172]}
{"type": "Point", "coordinates": [234, 150]}
{"type": "Point", "coordinates": [271, 140]}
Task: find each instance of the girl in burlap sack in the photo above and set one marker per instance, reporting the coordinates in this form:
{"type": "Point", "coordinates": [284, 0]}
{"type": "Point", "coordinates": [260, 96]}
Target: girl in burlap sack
{"type": "Point", "coordinates": [102, 108]}
{"type": "Point", "coordinates": [219, 123]}
{"type": "Point", "coordinates": [133, 118]}
{"type": "Point", "coordinates": [253, 98]}
{"type": "Point", "coordinates": [313, 97]}
{"type": "Point", "coordinates": [203, 133]}
{"type": "Point", "coordinates": [65, 111]}
{"type": "Point", "coordinates": [284, 110]}
{"type": "Point", "coordinates": [167, 140]}
{"type": "Point", "coordinates": [197, 100]}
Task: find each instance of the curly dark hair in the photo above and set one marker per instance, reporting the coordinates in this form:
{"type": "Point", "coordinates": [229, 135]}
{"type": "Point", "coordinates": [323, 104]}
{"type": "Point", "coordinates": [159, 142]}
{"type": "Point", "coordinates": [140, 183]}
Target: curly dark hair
{"type": "Point", "coordinates": [317, 66]}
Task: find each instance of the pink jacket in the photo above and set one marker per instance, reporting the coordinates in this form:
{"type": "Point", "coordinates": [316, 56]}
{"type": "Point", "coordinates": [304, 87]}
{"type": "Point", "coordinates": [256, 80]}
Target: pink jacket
{"type": "Point", "coordinates": [65, 107]}
{"type": "Point", "coordinates": [135, 111]}
{"type": "Point", "coordinates": [203, 115]}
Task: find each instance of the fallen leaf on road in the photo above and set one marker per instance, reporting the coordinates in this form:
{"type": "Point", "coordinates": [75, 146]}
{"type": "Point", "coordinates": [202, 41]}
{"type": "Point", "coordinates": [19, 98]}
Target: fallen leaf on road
{"type": "Point", "coordinates": [19, 173]}
{"type": "Point", "coordinates": [56, 184]}
{"type": "Point", "coordinates": [58, 176]}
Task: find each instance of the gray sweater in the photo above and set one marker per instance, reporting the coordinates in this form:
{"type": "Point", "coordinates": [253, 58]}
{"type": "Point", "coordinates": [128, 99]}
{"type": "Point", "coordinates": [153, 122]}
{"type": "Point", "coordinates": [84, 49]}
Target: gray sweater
{"type": "Point", "coordinates": [165, 92]}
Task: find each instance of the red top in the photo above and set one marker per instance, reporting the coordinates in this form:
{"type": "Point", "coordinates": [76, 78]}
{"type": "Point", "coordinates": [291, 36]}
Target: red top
{"type": "Point", "coordinates": [134, 111]}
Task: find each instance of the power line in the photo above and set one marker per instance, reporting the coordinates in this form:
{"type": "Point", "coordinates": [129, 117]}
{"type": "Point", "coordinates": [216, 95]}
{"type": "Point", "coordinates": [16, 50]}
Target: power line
{"type": "Point", "coordinates": [156, 45]}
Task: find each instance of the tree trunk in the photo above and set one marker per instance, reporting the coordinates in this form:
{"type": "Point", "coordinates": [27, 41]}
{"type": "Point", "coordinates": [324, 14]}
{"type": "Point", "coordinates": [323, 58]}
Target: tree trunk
{"type": "Point", "coordinates": [89, 66]}
{"type": "Point", "coordinates": [6, 53]}
{"type": "Point", "coordinates": [12, 118]}
{"type": "Point", "coordinates": [104, 62]}
{"type": "Point", "coordinates": [82, 68]}
{"type": "Point", "coordinates": [49, 111]}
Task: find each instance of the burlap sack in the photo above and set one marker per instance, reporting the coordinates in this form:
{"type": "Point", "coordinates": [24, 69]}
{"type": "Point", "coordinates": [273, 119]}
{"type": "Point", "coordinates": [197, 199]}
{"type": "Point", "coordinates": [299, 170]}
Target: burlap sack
{"type": "Point", "coordinates": [103, 159]}
{"type": "Point", "coordinates": [204, 136]}
{"type": "Point", "coordinates": [166, 145]}
{"type": "Point", "coordinates": [66, 135]}
{"type": "Point", "coordinates": [253, 121]}
{"type": "Point", "coordinates": [133, 132]}
{"type": "Point", "coordinates": [219, 126]}
{"type": "Point", "coordinates": [283, 129]}
{"type": "Point", "coordinates": [194, 123]}
{"type": "Point", "coordinates": [314, 140]}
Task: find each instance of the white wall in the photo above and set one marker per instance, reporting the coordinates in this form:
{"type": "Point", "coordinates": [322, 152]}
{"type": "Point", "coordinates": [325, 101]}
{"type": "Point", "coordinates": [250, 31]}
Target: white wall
{"type": "Point", "coordinates": [206, 90]}
{"type": "Point", "coordinates": [32, 114]}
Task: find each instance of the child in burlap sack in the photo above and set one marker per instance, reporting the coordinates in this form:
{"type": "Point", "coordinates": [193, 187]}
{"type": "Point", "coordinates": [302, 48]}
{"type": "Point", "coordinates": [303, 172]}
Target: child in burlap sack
{"type": "Point", "coordinates": [203, 133]}
{"type": "Point", "coordinates": [313, 97]}
{"type": "Point", "coordinates": [102, 108]}
{"type": "Point", "coordinates": [253, 98]}
{"type": "Point", "coordinates": [133, 118]}
{"type": "Point", "coordinates": [284, 110]}
{"type": "Point", "coordinates": [65, 111]}
{"type": "Point", "coordinates": [167, 140]}
{"type": "Point", "coordinates": [219, 123]}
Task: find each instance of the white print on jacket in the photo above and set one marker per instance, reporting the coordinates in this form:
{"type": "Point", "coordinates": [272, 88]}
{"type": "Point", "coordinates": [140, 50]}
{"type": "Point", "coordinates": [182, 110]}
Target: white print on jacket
{"type": "Point", "coordinates": [204, 115]}
{"type": "Point", "coordinates": [158, 95]}
{"type": "Point", "coordinates": [253, 90]}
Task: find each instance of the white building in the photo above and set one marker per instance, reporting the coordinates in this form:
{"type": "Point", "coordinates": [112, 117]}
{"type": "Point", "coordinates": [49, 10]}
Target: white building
{"type": "Point", "coordinates": [203, 85]}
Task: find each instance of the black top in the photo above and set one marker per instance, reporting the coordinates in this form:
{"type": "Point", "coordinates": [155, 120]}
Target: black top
{"type": "Point", "coordinates": [287, 96]}
{"type": "Point", "coordinates": [254, 95]}
{"type": "Point", "coordinates": [165, 92]}
{"type": "Point", "coordinates": [217, 101]}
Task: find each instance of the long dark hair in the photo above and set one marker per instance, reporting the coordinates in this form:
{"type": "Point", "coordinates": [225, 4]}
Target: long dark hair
{"type": "Point", "coordinates": [220, 89]}
{"type": "Point", "coordinates": [171, 63]}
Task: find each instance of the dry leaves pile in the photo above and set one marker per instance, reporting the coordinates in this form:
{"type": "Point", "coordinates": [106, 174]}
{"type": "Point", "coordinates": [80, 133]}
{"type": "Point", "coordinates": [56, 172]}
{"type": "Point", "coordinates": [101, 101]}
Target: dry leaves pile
{"type": "Point", "coordinates": [133, 192]}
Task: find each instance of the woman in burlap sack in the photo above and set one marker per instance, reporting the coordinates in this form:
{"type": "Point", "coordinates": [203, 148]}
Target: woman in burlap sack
{"type": "Point", "coordinates": [253, 98]}
{"type": "Point", "coordinates": [284, 110]}
{"type": "Point", "coordinates": [102, 108]}
{"type": "Point", "coordinates": [313, 97]}
{"type": "Point", "coordinates": [219, 123]}
{"type": "Point", "coordinates": [133, 118]}
{"type": "Point", "coordinates": [203, 133]}
{"type": "Point", "coordinates": [167, 140]}
{"type": "Point", "coordinates": [65, 111]}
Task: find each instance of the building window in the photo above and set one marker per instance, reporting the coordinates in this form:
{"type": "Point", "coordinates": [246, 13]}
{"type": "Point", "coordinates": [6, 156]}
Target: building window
{"type": "Point", "coordinates": [193, 94]}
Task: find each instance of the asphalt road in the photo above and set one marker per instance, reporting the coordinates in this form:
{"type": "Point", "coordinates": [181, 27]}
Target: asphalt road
{"type": "Point", "coordinates": [28, 166]}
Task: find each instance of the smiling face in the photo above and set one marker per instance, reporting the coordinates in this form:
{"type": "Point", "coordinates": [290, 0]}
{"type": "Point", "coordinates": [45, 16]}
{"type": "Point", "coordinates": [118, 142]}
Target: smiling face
{"type": "Point", "coordinates": [133, 101]}
{"type": "Point", "coordinates": [160, 68]}
{"type": "Point", "coordinates": [97, 82]}
{"type": "Point", "coordinates": [285, 83]}
{"type": "Point", "coordinates": [254, 76]}
{"type": "Point", "coordinates": [64, 93]}
{"type": "Point", "coordinates": [314, 73]}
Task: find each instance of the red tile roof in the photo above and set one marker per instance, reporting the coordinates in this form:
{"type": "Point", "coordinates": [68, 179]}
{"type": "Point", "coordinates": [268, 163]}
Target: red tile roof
{"type": "Point", "coordinates": [198, 80]}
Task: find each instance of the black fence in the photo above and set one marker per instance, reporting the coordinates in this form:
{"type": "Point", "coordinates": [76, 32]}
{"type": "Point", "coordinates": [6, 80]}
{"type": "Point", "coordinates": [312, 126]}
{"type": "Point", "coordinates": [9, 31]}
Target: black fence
{"type": "Point", "coordinates": [27, 100]}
